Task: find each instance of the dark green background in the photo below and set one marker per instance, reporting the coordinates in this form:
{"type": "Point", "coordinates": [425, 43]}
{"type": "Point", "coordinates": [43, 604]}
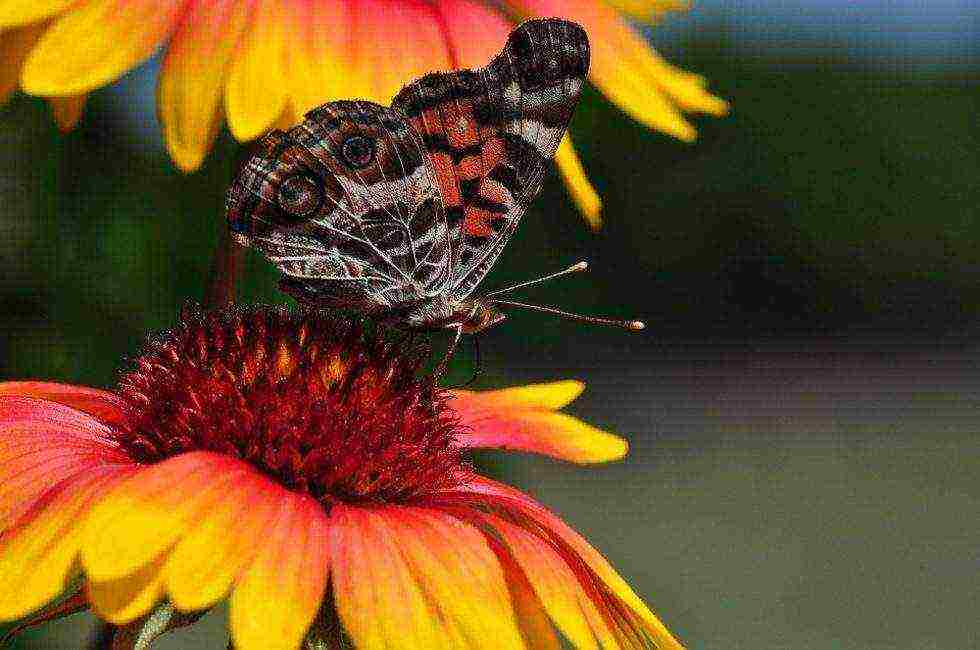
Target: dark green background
{"type": "Point", "coordinates": [802, 408]}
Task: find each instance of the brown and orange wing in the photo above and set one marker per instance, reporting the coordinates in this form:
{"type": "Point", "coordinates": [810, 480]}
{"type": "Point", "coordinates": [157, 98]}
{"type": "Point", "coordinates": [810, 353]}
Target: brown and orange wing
{"type": "Point", "coordinates": [491, 132]}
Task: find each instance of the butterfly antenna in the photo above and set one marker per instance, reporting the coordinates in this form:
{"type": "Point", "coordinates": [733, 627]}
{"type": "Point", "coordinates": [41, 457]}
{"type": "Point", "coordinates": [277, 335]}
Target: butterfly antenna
{"type": "Point", "coordinates": [575, 268]}
{"type": "Point", "coordinates": [634, 325]}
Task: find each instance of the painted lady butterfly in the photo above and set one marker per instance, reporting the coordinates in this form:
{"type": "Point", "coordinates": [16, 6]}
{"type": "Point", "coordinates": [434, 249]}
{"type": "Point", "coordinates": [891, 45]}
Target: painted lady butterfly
{"type": "Point", "coordinates": [400, 211]}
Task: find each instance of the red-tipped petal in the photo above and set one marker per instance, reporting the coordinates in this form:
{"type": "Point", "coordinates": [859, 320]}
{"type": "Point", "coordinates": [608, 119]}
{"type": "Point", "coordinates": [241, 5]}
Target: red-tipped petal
{"type": "Point", "coordinates": [43, 443]}
{"type": "Point", "coordinates": [146, 515]}
{"type": "Point", "coordinates": [415, 578]}
{"type": "Point", "coordinates": [524, 419]}
{"type": "Point", "coordinates": [278, 596]}
{"type": "Point", "coordinates": [475, 32]}
{"type": "Point", "coordinates": [513, 504]}
{"type": "Point", "coordinates": [37, 556]}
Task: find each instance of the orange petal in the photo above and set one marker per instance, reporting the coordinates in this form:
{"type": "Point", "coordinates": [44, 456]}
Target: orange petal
{"type": "Point", "coordinates": [96, 43]}
{"type": "Point", "coordinates": [383, 60]}
{"type": "Point", "coordinates": [133, 526]}
{"type": "Point", "coordinates": [629, 72]}
{"type": "Point", "coordinates": [100, 404]}
{"type": "Point", "coordinates": [515, 503]}
{"type": "Point", "coordinates": [43, 443]}
{"type": "Point", "coordinates": [37, 556]}
{"type": "Point", "coordinates": [193, 74]}
{"type": "Point", "coordinates": [583, 193]}
{"type": "Point", "coordinates": [18, 12]}
{"type": "Point", "coordinates": [523, 419]}
{"type": "Point", "coordinates": [15, 45]}
{"type": "Point", "coordinates": [67, 111]}
{"type": "Point", "coordinates": [73, 604]}
{"type": "Point", "coordinates": [256, 91]}
{"type": "Point", "coordinates": [475, 31]}
{"type": "Point", "coordinates": [278, 596]}
{"type": "Point", "coordinates": [319, 40]}
{"type": "Point", "coordinates": [565, 599]}
{"type": "Point", "coordinates": [205, 562]}
{"type": "Point", "coordinates": [415, 578]}
{"type": "Point", "coordinates": [126, 599]}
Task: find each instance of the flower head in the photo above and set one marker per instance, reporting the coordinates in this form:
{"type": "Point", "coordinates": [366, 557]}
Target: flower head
{"type": "Point", "coordinates": [302, 467]}
{"type": "Point", "coordinates": [256, 63]}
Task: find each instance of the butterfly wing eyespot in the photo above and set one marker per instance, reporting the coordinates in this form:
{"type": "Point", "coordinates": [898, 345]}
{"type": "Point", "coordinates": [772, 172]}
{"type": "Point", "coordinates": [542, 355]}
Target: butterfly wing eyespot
{"type": "Point", "coordinates": [358, 151]}
{"type": "Point", "coordinates": [299, 196]}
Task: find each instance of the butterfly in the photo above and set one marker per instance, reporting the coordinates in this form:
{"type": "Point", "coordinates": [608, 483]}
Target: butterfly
{"type": "Point", "coordinates": [400, 211]}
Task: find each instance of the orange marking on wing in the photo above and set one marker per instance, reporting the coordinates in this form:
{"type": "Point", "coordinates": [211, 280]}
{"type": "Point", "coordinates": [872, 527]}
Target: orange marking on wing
{"type": "Point", "coordinates": [494, 151]}
{"type": "Point", "coordinates": [494, 191]}
{"type": "Point", "coordinates": [470, 167]}
{"type": "Point", "coordinates": [477, 222]}
{"type": "Point", "coordinates": [446, 172]}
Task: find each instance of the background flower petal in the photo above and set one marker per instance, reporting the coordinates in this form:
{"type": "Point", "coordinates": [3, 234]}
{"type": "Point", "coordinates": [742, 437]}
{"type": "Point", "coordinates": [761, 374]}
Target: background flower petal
{"type": "Point", "coordinates": [414, 578]}
{"type": "Point", "coordinates": [629, 72]}
{"type": "Point", "coordinates": [15, 45]}
{"type": "Point", "coordinates": [648, 9]}
{"type": "Point", "coordinates": [144, 516]}
{"type": "Point", "coordinates": [320, 44]}
{"type": "Point", "coordinates": [193, 75]}
{"type": "Point", "coordinates": [37, 556]}
{"type": "Point", "coordinates": [278, 596]}
{"type": "Point", "coordinates": [123, 600]}
{"type": "Point", "coordinates": [474, 31]}
{"type": "Point", "coordinates": [42, 444]}
{"type": "Point", "coordinates": [255, 94]}
{"type": "Point", "coordinates": [523, 419]}
{"type": "Point", "coordinates": [383, 60]}
{"type": "Point", "coordinates": [583, 193]}
{"type": "Point", "coordinates": [67, 111]}
{"type": "Point", "coordinates": [22, 12]}
{"type": "Point", "coordinates": [96, 43]}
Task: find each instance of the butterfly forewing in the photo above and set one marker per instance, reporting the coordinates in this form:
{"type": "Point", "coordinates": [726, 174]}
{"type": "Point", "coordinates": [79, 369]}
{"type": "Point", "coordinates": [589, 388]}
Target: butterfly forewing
{"type": "Point", "coordinates": [491, 132]}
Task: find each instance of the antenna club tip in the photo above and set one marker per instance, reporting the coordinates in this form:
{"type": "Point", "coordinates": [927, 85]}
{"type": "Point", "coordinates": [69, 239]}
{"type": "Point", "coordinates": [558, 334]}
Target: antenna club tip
{"type": "Point", "coordinates": [581, 266]}
{"type": "Point", "coordinates": [636, 325]}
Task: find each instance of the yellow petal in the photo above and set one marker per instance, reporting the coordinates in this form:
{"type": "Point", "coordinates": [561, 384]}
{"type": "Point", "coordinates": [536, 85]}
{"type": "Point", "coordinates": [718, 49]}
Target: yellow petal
{"type": "Point", "coordinates": [557, 588]}
{"type": "Point", "coordinates": [415, 578]}
{"type": "Point", "coordinates": [96, 43]}
{"type": "Point", "coordinates": [319, 69]}
{"type": "Point", "coordinates": [582, 191]}
{"type": "Point", "coordinates": [67, 111]}
{"type": "Point", "coordinates": [549, 395]}
{"type": "Point", "coordinates": [193, 74]}
{"type": "Point", "coordinates": [15, 45]}
{"type": "Point", "coordinates": [144, 516]}
{"type": "Point", "coordinates": [256, 92]}
{"type": "Point", "coordinates": [204, 564]}
{"type": "Point", "coordinates": [523, 419]}
{"type": "Point", "coordinates": [36, 560]}
{"type": "Point", "coordinates": [649, 10]}
{"type": "Point", "coordinates": [278, 596]}
{"type": "Point", "coordinates": [124, 600]}
{"type": "Point", "coordinates": [21, 12]}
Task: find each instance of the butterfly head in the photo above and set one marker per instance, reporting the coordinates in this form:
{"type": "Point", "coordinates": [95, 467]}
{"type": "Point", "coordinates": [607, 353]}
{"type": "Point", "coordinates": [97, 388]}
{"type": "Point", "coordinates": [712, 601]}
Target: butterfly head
{"type": "Point", "coordinates": [478, 315]}
{"type": "Point", "coordinates": [349, 166]}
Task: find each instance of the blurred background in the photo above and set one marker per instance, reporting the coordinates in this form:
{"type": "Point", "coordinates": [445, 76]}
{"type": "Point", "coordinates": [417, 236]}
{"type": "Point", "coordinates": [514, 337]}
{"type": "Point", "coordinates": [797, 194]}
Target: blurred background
{"type": "Point", "coordinates": [803, 408]}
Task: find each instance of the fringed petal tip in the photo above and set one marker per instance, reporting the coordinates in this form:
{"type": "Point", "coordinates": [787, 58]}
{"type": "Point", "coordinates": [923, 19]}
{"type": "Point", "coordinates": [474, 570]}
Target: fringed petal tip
{"type": "Point", "coordinates": [525, 419]}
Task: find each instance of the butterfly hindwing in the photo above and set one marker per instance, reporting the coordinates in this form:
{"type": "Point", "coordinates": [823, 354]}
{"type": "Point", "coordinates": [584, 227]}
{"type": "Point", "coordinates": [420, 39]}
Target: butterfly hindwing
{"type": "Point", "coordinates": [490, 133]}
{"type": "Point", "coordinates": [348, 209]}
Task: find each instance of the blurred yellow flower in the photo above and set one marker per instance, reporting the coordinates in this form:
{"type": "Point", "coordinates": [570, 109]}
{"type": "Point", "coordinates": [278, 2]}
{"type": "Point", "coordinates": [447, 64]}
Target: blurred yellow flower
{"type": "Point", "coordinates": [259, 63]}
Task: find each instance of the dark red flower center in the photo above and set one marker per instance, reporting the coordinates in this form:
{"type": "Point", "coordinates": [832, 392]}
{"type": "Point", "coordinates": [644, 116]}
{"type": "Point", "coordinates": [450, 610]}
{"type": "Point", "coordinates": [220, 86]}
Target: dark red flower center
{"type": "Point", "coordinates": [322, 404]}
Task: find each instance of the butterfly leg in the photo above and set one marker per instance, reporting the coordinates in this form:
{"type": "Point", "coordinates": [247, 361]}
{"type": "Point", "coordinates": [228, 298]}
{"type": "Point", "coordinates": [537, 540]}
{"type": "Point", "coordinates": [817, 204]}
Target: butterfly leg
{"type": "Point", "coordinates": [444, 364]}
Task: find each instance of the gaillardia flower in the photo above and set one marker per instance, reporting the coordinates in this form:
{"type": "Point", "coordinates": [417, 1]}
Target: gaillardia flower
{"type": "Point", "coordinates": [258, 63]}
{"type": "Point", "coordinates": [303, 468]}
